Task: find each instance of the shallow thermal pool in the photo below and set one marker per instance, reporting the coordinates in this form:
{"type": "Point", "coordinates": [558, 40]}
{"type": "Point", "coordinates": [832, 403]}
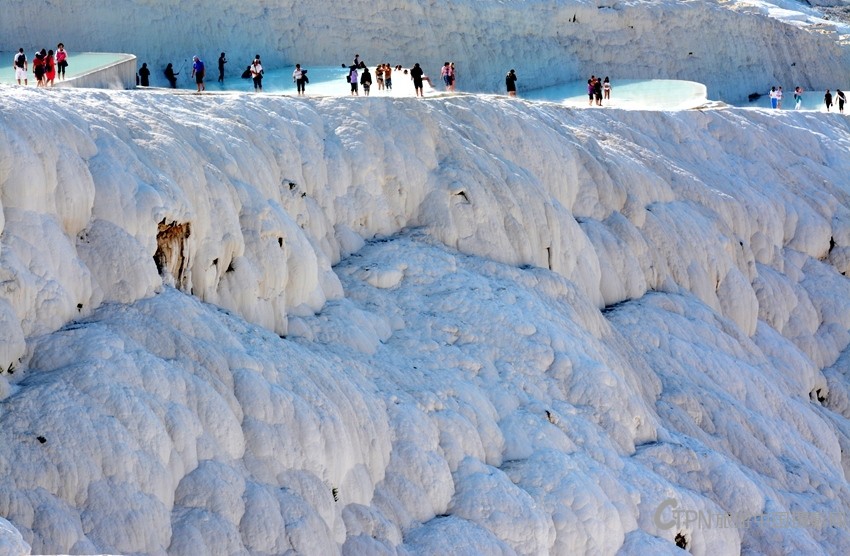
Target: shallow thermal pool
{"type": "Point", "coordinates": [79, 63]}
{"type": "Point", "coordinates": [651, 94]}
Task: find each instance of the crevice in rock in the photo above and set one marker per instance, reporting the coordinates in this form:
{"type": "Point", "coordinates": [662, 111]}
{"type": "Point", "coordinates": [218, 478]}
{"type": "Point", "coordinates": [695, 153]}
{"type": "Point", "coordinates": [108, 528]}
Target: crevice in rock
{"type": "Point", "coordinates": [171, 257]}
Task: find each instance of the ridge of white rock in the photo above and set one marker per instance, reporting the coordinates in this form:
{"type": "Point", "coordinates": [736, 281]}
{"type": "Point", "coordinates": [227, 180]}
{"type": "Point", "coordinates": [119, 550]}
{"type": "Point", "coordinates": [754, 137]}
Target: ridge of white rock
{"type": "Point", "coordinates": [735, 48]}
{"type": "Point", "coordinates": [447, 381]}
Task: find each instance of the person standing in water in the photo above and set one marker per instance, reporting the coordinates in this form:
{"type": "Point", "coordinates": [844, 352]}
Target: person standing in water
{"type": "Point", "coordinates": [388, 76]}
{"type": "Point", "coordinates": [366, 80]}
{"type": "Point", "coordinates": [145, 75]}
{"type": "Point", "coordinates": [416, 75]}
{"type": "Point", "coordinates": [827, 100]}
{"type": "Point", "coordinates": [221, 61]}
{"type": "Point", "coordinates": [257, 74]}
{"type": "Point", "coordinates": [171, 75]}
{"type": "Point", "coordinates": [300, 79]}
{"type": "Point", "coordinates": [61, 60]}
{"type": "Point", "coordinates": [20, 65]}
{"type": "Point", "coordinates": [510, 83]}
{"type": "Point", "coordinates": [798, 98]}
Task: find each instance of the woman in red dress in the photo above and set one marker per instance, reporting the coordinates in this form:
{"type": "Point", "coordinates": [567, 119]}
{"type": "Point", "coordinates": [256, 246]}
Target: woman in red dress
{"type": "Point", "coordinates": [50, 68]}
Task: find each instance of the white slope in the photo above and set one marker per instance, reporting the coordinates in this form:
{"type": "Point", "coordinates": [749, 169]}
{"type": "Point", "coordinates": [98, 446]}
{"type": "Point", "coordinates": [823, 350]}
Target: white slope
{"type": "Point", "coordinates": [447, 381]}
{"type": "Point", "coordinates": [734, 47]}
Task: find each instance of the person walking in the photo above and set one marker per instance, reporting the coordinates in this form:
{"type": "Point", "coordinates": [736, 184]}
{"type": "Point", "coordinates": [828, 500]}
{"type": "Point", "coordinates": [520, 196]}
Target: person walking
{"type": "Point", "coordinates": [416, 75]}
{"type": "Point", "coordinates": [49, 68]}
{"type": "Point", "coordinates": [366, 80]}
{"type": "Point", "coordinates": [38, 68]}
{"type": "Point", "coordinates": [61, 60]}
{"type": "Point", "coordinates": [257, 74]}
{"type": "Point", "coordinates": [353, 75]}
{"type": "Point", "coordinates": [445, 74]}
{"type": "Point", "coordinates": [597, 91]}
{"type": "Point", "coordinates": [145, 75]}
{"type": "Point", "coordinates": [839, 95]}
{"type": "Point", "coordinates": [221, 61]}
{"type": "Point", "coordinates": [198, 73]}
{"type": "Point", "coordinates": [453, 76]}
{"type": "Point", "coordinates": [827, 100]}
{"type": "Point", "coordinates": [798, 98]}
{"type": "Point", "coordinates": [388, 76]}
{"type": "Point", "coordinates": [510, 83]}
{"type": "Point", "coordinates": [20, 65]}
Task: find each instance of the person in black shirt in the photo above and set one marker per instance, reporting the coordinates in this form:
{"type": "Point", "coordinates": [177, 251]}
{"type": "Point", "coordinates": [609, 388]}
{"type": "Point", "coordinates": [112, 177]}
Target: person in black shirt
{"type": "Point", "coordinates": [144, 75]}
{"type": "Point", "coordinates": [510, 83]}
{"type": "Point", "coordinates": [221, 61]}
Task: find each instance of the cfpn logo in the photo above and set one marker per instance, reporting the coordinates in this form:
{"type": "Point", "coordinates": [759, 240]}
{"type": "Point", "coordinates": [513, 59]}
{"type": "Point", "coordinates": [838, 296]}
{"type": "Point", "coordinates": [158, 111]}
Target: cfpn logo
{"type": "Point", "coordinates": [658, 518]}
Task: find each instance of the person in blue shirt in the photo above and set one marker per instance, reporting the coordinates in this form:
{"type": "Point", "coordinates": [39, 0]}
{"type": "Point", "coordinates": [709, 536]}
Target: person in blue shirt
{"type": "Point", "coordinates": [198, 73]}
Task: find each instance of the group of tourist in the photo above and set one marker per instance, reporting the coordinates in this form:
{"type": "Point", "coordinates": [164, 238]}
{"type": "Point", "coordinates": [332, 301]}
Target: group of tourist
{"type": "Point", "coordinates": [776, 94]}
{"type": "Point", "coordinates": [359, 76]}
{"type": "Point", "coordinates": [46, 66]}
{"type": "Point", "coordinates": [597, 89]}
{"type": "Point", "coordinates": [840, 99]}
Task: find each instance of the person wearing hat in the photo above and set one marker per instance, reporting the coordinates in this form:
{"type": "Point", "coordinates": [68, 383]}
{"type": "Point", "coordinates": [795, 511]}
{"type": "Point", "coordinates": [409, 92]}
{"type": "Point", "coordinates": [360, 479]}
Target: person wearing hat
{"type": "Point", "coordinates": [198, 73]}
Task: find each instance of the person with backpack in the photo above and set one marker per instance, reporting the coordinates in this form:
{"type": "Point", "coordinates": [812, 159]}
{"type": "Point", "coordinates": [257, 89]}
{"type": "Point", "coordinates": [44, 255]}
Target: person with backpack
{"type": "Point", "coordinates": [352, 78]}
{"type": "Point", "coordinates": [20, 65]}
{"type": "Point", "coordinates": [198, 73]}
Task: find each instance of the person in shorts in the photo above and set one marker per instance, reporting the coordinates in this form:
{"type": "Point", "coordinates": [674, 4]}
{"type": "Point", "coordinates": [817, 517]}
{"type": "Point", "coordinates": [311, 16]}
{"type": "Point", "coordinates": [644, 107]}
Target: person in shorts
{"type": "Point", "coordinates": [198, 73]}
{"type": "Point", "coordinates": [61, 60]}
{"type": "Point", "coordinates": [20, 65]}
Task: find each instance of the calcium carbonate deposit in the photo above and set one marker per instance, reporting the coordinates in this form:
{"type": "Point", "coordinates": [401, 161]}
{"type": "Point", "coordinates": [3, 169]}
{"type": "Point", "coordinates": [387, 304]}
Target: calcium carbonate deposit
{"type": "Point", "coordinates": [465, 324]}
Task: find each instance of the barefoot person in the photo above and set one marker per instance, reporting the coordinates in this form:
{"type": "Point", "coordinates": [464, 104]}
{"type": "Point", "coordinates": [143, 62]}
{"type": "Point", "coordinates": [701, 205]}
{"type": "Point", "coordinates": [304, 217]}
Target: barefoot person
{"type": "Point", "coordinates": [20, 65]}
{"type": "Point", "coordinates": [416, 75]}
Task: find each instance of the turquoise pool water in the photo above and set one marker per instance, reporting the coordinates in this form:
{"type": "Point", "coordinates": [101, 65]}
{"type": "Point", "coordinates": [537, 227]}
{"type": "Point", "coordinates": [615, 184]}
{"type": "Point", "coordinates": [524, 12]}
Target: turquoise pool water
{"type": "Point", "coordinates": [79, 63]}
{"type": "Point", "coordinates": [324, 80]}
{"type": "Point", "coordinates": [651, 94]}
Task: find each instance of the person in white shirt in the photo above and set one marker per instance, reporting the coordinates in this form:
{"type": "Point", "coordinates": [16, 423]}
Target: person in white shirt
{"type": "Point", "coordinates": [257, 74]}
{"type": "Point", "coordinates": [20, 65]}
{"type": "Point", "coordinates": [300, 79]}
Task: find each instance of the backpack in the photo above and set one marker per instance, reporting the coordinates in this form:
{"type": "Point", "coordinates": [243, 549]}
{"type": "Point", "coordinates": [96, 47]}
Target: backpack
{"type": "Point", "coordinates": [304, 76]}
{"type": "Point", "coordinates": [348, 77]}
{"type": "Point", "coordinates": [20, 59]}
